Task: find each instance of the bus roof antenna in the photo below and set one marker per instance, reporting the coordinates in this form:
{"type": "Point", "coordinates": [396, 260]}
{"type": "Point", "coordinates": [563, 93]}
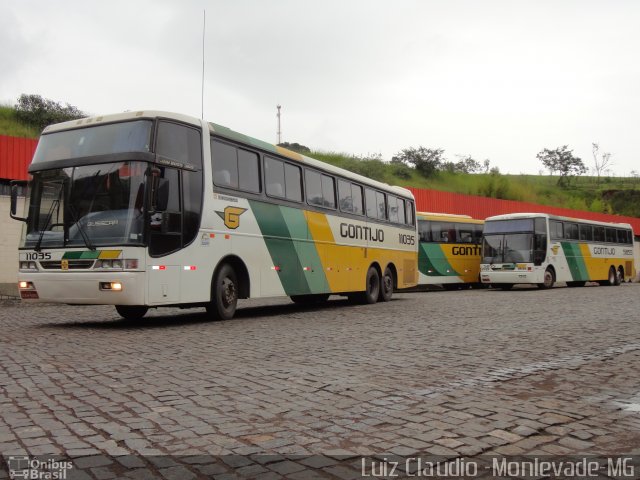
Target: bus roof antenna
{"type": "Point", "coordinates": [204, 24]}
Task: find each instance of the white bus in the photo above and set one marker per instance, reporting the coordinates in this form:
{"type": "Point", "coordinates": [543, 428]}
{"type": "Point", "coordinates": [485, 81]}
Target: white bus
{"type": "Point", "coordinates": [149, 209]}
{"type": "Point", "coordinates": [543, 249]}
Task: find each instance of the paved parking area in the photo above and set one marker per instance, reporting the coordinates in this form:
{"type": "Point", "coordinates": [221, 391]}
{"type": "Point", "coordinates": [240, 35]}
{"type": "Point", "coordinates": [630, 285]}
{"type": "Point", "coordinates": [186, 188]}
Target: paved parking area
{"type": "Point", "coordinates": [451, 374]}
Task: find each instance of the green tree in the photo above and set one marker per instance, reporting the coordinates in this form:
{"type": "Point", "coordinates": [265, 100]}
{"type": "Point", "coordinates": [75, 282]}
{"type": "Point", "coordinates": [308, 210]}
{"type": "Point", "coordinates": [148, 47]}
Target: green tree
{"type": "Point", "coordinates": [427, 161]}
{"type": "Point", "coordinates": [296, 147]}
{"type": "Point", "coordinates": [563, 161]}
{"type": "Point", "coordinates": [40, 112]}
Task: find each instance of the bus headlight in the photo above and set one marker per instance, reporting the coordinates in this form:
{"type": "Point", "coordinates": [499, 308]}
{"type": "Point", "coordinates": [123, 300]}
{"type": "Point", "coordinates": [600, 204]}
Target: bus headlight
{"type": "Point", "coordinates": [111, 286]}
{"type": "Point", "coordinates": [28, 265]}
{"type": "Point", "coordinates": [117, 264]}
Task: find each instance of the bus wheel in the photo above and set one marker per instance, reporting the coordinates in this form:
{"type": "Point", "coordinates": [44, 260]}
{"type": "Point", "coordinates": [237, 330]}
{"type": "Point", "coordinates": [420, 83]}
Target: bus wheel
{"type": "Point", "coordinates": [386, 289]}
{"type": "Point", "coordinates": [372, 292]}
{"type": "Point", "coordinates": [312, 299]}
{"type": "Point", "coordinates": [224, 295]}
{"type": "Point", "coordinates": [549, 279]}
{"type": "Point", "coordinates": [576, 284]}
{"type": "Point", "coordinates": [131, 312]}
{"type": "Point", "coordinates": [611, 278]}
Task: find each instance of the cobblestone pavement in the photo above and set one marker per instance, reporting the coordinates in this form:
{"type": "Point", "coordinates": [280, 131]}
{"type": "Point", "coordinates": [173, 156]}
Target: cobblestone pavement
{"type": "Point", "coordinates": [448, 374]}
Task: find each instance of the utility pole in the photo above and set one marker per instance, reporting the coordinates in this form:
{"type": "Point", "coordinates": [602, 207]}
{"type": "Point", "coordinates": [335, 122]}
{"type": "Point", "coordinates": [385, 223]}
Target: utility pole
{"type": "Point", "coordinates": [279, 130]}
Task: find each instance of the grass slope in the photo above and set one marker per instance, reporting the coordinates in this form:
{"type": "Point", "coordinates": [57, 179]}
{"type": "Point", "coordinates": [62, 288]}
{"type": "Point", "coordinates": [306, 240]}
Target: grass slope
{"type": "Point", "coordinates": [10, 126]}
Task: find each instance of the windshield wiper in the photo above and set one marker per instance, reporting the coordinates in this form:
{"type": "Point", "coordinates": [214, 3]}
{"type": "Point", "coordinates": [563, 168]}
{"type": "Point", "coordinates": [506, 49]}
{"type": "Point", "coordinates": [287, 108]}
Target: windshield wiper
{"type": "Point", "coordinates": [54, 204]}
{"type": "Point", "coordinates": [83, 234]}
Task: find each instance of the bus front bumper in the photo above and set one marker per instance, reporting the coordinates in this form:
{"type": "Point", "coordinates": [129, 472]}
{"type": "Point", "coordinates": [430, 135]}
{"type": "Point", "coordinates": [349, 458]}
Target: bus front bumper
{"type": "Point", "coordinates": [108, 288]}
{"type": "Point", "coordinates": [513, 276]}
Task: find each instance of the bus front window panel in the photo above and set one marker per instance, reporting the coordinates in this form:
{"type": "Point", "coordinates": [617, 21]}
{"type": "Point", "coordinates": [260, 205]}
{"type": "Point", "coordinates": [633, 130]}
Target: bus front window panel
{"type": "Point", "coordinates": [518, 248]}
{"type": "Point", "coordinates": [492, 249]}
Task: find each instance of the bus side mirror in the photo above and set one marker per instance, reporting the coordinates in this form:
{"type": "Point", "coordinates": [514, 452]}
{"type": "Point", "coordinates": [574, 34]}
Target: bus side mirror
{"type": "Point", "coordinates": [14, 203]}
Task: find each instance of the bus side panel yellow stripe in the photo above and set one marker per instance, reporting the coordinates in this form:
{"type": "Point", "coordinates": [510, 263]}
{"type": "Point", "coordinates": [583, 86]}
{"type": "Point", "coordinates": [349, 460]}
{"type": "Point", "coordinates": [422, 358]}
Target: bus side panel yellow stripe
{"type": "Point", "coordinates": [339, 262]}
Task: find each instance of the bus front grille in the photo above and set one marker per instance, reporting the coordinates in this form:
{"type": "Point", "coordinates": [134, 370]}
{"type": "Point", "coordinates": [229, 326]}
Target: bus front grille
{"type": "Point", "coordinates": [72, 264]}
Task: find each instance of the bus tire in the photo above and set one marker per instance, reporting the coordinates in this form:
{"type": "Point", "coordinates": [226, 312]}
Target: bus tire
{"type": "Point", "coordinates": [386, 287]}
{"type": "Point", "coordinates": [224, 294]}
{"type": "Point", "coordinates": [372, 286]}
{"type": "Point", "coordinates": [549, 279]}
{"type": "Point", "coordinates": [611, 278]}
{"type": "Point", "coordinates": [311, 299]}
{"type": "Point", "coordinates": [132, 312]}
{"type": "Point", "coordinates": [619, 276]}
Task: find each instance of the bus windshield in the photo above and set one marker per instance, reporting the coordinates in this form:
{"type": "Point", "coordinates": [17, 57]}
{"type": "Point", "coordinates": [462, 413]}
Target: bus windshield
{"type": "Point", "coordinates": [508, 248]}
{"type": "Point", "coordinates": [86, 206]}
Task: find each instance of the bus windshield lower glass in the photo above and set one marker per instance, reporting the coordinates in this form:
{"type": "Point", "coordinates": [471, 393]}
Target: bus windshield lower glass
{"type": "Point", "coordinates": [509, 248]}
{"type": "Point", "coordinates": [86, 206]}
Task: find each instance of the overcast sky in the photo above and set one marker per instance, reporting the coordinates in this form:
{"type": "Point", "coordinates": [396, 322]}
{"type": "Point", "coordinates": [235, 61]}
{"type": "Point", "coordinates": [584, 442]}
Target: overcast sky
{"type": "Point", "coordinates": [496, 79]}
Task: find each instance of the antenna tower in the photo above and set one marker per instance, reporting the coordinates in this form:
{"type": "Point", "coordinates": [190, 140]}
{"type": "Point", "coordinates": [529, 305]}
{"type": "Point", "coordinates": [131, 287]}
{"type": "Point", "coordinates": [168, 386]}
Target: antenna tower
{"type": "Point", "coordinates": [279, 129]}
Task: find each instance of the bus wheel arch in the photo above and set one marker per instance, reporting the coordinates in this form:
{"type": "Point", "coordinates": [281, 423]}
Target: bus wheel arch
{"type": "Point", "coordinates": [242, 274]}
{"type": "Point", "coordinates": [230, 282]}
{"type": "Point", "coordinates": [549, 278]}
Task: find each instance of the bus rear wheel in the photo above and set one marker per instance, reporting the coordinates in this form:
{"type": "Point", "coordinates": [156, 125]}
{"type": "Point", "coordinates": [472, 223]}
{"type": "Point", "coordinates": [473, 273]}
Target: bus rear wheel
{"type": "Point", "coordinates": [548, 280]}
{"type": "Point", "coordinates": [224, 294]}
{"type": "Point", "coordinates": [386, 288]}
{"type": "Point", "coordinates": [132, 312]}
{"type": "Point", "coordinates": [372, 292]}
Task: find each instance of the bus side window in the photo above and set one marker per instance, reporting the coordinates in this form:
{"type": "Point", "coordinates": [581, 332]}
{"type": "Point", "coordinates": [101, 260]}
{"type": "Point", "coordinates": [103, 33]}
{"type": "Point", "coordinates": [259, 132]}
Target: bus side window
{"type": "Point", "coordinates": [225, 164]}
{"type": "Point", "coordinates": [409, 212]}
{"type": "Point", "coordinates": [370, 198]}
{"type": "Point", "coordinates": [598, 234]}
{"type": "Point", "coordinates": [586, 233]}
{"type": "Point", "coordinates": [356, 197]}
{"type": "Point", "coordinates": [555, 230]}
{"type": "Point", "coordinates": [393, 208]}
{"type": "Point", "coordinates": [424, 230]}
{"type": "Point", "coordinates": [610, 234]}
{"type": "Point", "coordinates": [477, 234]}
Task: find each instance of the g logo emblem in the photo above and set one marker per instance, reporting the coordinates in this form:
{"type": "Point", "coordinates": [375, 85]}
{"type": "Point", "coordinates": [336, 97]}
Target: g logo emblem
{"type": "Point", "coordinates": [64, 264]}
{"type": "Point", "coordinates": [231, 216]}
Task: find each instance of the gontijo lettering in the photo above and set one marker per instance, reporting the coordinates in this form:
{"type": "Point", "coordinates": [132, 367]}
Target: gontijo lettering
{"type": "Point", "coordinates": [359, 232]}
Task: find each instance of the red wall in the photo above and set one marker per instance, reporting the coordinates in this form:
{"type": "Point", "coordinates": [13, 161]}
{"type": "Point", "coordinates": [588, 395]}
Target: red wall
{"type": "Point", "coordinates": [15, 157]}
{"type": "Point", "coordinates": [481, 207]}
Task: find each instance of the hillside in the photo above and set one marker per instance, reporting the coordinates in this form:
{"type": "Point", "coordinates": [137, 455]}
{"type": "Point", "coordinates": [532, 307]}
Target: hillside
{"type": "Point", "coordinates": [616, 195]}
{"type": "Point", "coordinates": [612, 195]}
{"type": "Point", "coordinates": [9, 124]}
